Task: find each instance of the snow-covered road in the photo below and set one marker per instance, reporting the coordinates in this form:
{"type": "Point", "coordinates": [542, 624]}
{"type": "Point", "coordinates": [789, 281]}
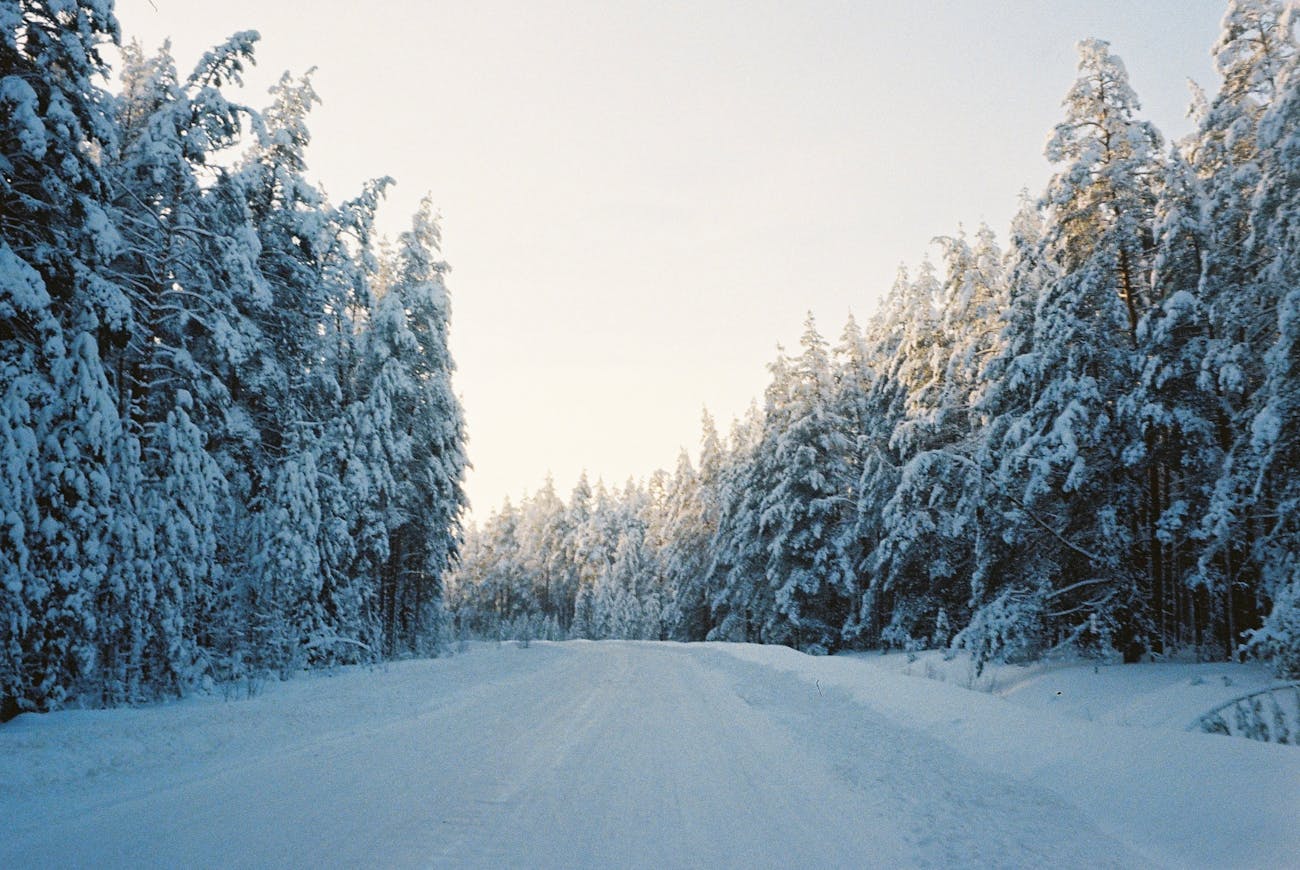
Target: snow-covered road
{"type": "Point", "coordinates": [581, 755]}
{"type": "Point", "coordinates": [568, 755]}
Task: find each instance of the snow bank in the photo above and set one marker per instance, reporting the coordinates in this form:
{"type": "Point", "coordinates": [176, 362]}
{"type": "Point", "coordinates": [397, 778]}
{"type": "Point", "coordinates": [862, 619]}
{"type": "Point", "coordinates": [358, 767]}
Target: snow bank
{"type": "Point", "coordinates": [1184, 799]}
{"type": "Point", "coordinates": [1164, 695]}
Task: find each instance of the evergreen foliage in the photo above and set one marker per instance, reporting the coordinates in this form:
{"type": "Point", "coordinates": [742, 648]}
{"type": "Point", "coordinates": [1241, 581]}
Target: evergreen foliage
{"type": "Point", "coordinates": [229, 445]}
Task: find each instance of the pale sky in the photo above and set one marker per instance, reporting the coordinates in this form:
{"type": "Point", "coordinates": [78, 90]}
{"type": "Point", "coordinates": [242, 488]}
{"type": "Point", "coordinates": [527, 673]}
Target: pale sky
{"type": "Point", "coordinates": [640, 200]}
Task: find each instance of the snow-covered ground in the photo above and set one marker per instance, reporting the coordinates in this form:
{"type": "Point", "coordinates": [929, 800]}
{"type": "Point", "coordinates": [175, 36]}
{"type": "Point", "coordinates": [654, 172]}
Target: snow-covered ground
{"type": "Point", "coordinates": [637, 754]}
{"type": "Point", "coordinates": [1163, 695]}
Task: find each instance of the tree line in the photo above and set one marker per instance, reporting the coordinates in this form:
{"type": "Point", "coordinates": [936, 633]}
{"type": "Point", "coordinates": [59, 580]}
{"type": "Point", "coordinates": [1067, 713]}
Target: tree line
{"type": "Point", "coordinates": [1086, 438]}
{"type": "Point", "coordinates": [229, 445]}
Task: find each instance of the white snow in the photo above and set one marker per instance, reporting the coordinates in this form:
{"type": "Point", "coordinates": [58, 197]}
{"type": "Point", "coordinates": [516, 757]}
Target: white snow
{"type": "Point", "coordinates": [1178, 798]}
{"type": "Point", "coordinates": [1166, 694]}
{"type": "Point", "coordinates": [640, 754]}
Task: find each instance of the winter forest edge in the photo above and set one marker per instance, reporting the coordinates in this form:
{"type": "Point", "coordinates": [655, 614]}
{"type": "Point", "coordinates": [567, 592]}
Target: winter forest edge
{"type": "Point", "coordinates": [1085, 443]}
{"type": "Point", "coordinates": [231, 448]}
{"type": "Point", "coordinates": [230, 443]}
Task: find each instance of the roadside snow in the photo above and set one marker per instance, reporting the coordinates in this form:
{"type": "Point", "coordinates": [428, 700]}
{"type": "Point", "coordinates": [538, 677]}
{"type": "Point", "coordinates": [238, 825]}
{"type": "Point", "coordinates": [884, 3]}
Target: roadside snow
{"type": "Point", "coordinates": [1158, 695]}
{"type": "Point", "coordinates": [1183, 799]}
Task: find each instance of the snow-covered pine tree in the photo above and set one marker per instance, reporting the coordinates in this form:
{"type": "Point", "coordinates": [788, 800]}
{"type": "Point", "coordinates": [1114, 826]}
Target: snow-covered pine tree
{"type": "Point", "coordinates": [1274, 242]}
{"type": "Point", "coordinates": [690, 525]}
{"type": "Point", "coordinates": [1007, 573]}
{"type": "Point", "coordinates": [68, 512]}
{"type": "Point", "coordinates": [881, 404]}
{"type": "Point", "coordinates": [1171, 413]}
{"type": "Point", "coordinates": [854, 376]}
{"type": "Point", "coordinates": [188, 332]}
{"type": "Point", "coordinates": [1063, 462]}
{"type": "Point", "coordinates": [425, 440]}
{"type": "Point", "coordinates": [574, 553]}
{"type": "Point", "coordinates": [1256, 44]}
{"type": "Point", "coordinates": [541, 542]}
{"type": "Point", "coordinates": [806, 502]}
{"type": "Point", "coordinates": [932, 522]}
{"type": "Point", "coordinates": [599, 539]}
{"type": "Point", "coordinates": [348, 465]}
{"type": "Point", "coordinates": [285, 391]}
{"type": "Point", "coordinates": [736, 574]}
{"type": "Point", "coordinates": [624, 567]}
{"type": "Point", "coordinates": [504, 578]}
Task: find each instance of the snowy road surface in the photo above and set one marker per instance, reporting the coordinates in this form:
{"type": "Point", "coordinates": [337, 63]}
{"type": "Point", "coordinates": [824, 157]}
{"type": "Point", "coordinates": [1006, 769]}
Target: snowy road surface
{"type": "Point", "coordinates": [567, 755]}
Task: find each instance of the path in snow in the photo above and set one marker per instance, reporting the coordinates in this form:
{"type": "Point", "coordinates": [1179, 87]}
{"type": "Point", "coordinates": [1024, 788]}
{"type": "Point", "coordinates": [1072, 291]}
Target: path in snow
{"type": "Point", "coordinates": [574, 755]}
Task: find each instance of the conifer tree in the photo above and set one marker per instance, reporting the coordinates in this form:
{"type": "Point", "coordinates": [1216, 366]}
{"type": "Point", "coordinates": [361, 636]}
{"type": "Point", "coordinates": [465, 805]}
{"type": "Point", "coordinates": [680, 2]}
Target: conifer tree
{"type": "Point", "coordinates": [1066, 465]}
{"type": "Point", "coordinates": [741, 598]}
{"type": "Point", "coordinates": [803, 507]}
{"type": "Point", "coordinates": [67, 527]}
{"type": "Point", "coordinates": [932, 522]}
{"type": "Point", "coordinates": [1274, 241]}
{"type": "Point", "coordinates": [425, 438]}
{"type": "Point", "coordinates": [1256, 44]}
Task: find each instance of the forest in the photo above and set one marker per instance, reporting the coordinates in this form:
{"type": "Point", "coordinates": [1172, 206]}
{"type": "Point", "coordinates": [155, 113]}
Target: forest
{"type": "Point", "coordinates": [1082, 440]}
{"type": "Point", "coordinates": [229, 445]}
